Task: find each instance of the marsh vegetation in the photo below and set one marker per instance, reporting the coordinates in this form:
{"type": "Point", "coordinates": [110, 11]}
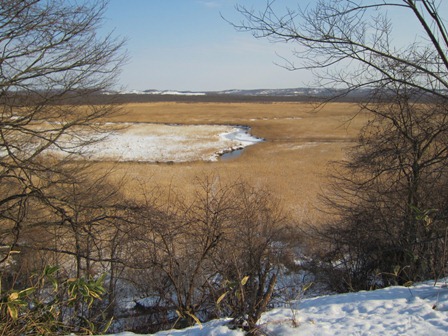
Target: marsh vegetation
{"type": "Point", "coordinates": [167, 243]}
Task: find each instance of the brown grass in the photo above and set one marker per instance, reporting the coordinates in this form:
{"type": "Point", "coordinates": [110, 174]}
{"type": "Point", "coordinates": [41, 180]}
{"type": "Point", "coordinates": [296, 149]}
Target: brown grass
{"type": "Point", "coordinates": [300, 142]}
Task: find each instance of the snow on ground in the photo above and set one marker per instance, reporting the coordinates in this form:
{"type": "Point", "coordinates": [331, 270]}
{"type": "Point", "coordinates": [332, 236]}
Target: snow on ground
{"type": "Point", "coordinates": [164, 92]}
{"type": "Point", "coordinates": [418, 310]}
{"type": "Point", "coordinates": [169, 143]}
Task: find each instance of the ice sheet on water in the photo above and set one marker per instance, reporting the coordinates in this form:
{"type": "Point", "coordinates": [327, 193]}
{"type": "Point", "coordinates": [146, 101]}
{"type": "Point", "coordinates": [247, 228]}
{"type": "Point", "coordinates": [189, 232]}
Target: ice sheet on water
{"type": "Point", "coordinates": [242, 135]}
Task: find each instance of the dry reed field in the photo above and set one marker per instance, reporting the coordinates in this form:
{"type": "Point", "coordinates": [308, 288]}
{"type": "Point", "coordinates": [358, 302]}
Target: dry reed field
{"type": "Point", "coordinates": [293, 161]}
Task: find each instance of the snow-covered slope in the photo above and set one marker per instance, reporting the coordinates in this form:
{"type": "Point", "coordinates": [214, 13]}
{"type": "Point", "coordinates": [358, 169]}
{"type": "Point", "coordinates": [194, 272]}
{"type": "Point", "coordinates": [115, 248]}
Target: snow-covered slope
{"type": "Point", "coordinates": [418, 310]}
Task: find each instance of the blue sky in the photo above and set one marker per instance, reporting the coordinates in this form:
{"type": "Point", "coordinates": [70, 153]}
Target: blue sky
{"type": "Point", "coordinates": [186, 45]}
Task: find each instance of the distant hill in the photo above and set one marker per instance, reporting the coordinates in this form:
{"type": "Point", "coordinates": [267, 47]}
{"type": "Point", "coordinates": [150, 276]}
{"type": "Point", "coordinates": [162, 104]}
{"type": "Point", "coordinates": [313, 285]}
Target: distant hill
{"type": "Point", "coordinates": [291, 92]}
{"type": "Point", "coordinates": [235, 95]}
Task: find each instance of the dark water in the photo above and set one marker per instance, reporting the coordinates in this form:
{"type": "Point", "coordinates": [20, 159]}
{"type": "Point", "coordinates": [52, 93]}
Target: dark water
{"type": "Point", "coordinates": [232, 155]}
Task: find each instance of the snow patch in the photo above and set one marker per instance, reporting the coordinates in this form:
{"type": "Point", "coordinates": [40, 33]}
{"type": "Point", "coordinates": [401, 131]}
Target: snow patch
{"type": "Point", "coordinates": [163, 92]}
{"type": "Point", "coordinates": [167, 143]}
{"type": "Point", "coordinates": [415, 311]}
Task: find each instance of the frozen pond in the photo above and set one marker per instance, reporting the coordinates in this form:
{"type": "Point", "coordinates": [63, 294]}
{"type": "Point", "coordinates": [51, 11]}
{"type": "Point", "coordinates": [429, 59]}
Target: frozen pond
{"type": "Point", "coordinates": [169, 143]}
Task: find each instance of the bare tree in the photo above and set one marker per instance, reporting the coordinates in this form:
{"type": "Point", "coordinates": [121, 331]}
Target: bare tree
{"type": "Point", "coordinates": [187, 254]}
{"type": "Point", "coordinates": [253, 255]}
{"type": "Point", "coordinates": [177, 243]}
{"type": "Point", "coordinates": [350, 43]}
{"type": "Point", "coordinates": [52, 58]}
{"type": "Point", "coordinates": [389, 197]}
{"type": "Point", "coordinates": [390, 206]}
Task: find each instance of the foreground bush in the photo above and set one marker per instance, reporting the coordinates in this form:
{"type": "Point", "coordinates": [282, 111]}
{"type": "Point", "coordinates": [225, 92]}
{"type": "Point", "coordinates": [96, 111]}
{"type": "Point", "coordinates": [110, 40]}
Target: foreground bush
{"type": "Point", "coordinates": [189, 257]}
{"type": "Point", "coordinates": [390, 199]}
{"type": "Point", "coordinates": [51, 306]}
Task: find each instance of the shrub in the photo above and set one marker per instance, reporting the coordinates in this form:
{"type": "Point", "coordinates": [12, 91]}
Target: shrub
{"type": "Point", "coordinates": [51, 306]}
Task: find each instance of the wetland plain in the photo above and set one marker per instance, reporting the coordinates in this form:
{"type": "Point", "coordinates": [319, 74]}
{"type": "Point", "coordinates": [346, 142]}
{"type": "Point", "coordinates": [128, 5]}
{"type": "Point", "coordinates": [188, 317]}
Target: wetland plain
{"type": "Point", "coordinates": [301, 139]}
